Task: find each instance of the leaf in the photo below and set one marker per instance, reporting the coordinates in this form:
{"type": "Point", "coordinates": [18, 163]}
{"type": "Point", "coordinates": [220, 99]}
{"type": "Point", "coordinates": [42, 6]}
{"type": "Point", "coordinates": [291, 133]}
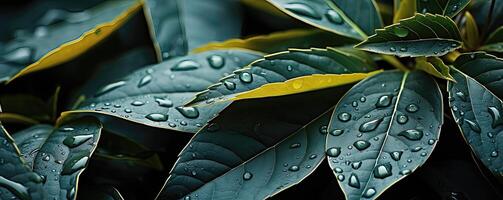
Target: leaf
{"type": "Point", "coordinates": [471, 32]}
{"type": "Point", "coordinates": [264, 6]}
{"type": "Point", "coordinates": [434, 66]}
{"type": "Point", "coordinates": [383, 129]}
{"type": "Point", "coordinates": [444, 7]}
{"type": "Point", "coordinates": [179, 26]}
{"type": "Point", "coordinates": [282, 66]}
{"type": "Point", "coordinates": [488, 24]}
{"type": "Point", "coordinates": [26, 105]}
{"type": "Point", "coordinates": [406, 9]}
{"type": "Point", "coordinates": [155, 95]}
{"type": "Point", "coordinates": [475, 101]}
{"type": "Point", "coordinates": [351, 19]}
{"type": "Point", "coordinates": [494, 42]}
{"type": "Point", "coordinates": [421, 35]}
{"type": "Point", "coordinates": [62, 42]}
{"type": "Point", "coordinates": [254, 149]}
{"type": "Point", "coordinates": [280, 41]}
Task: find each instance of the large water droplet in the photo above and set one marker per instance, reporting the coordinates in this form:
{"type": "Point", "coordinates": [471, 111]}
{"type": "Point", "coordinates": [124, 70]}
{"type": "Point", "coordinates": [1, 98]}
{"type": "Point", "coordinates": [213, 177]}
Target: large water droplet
{"type": "Point", "coordinates": [246, 77]}
{"type": "Point", "coordinates": [344, 117]}
{"type": "Point", "coordinates": [73, 141]}
{"type": "Point", "coordinates": [384, 101]}
{"type": "Point", "coordinates": [145, 80]}
{"type": "Point", "coordinates": [74, 164]}
{"type": "Point", "coordinates": [402, 119]}
{"type": "Point", "coordinates": [157, 117]}
{"type": "Point", "coordinates": [396, 155]}
{"type": "Point", "coordinates": [370, 126]}
{"type": "Point", "coordinates": [412, 134]}
{"type": "Point", "coordinates": [336, 132]}
{"type": "Point", "coordinates": [185, 65]}
{"type": "Point", "coordinates": [21, 56]}
{"type": "Point", "coordinates": [216, 61]}
{"type": "Point", "coordinates": [294, 168]}
{"type": "Point", "coordinates": [369, 193]}
{"type": "Point", "coordinates": [247, 176]}
{"type": "Point", "coordinates": [473, 125]}
{"type": "Point", "coordinates": [16, 188]}
{"type": "Point", "coordinates": [110, 87]}
{"type": "Point", "coordinates": [361, 145]}
{"type": "Point", "coordinates": [164, 102]}
{"type": "Point", "coordinates": [334, 151]}
{"type": "Point", "coordinates": [302, 9]}
{"type": "Point", "coordinates": [334, 17]}
{"type": "Point", "coordinates": [382, 170]}
{"type": "Point", "coordinates": [495, 114]}
{"type": "Point", "coordinates": [188, 112]}
{"type": "Point", "coordinates": [401, 31]}
{"type": "Point", "coordinates": [412, 108]}
{"type": "Point", "coordinates": [353, 181]}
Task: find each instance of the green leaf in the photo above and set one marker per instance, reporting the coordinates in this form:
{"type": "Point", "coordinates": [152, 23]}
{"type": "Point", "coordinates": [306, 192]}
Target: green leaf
{"type": "Point", "coordinates": [254, 149]}
{"type": "Point", "coordinates": [283, 66]}
{"type": "Point", "coordinates": [155, 95]}
{"type": "Point", "coordinates": [406, 9]}
{"type": "Point", "coordinates": [26, 105]}
{"type": "Point", "coordinates": [351, 19]}
{"type": "Point", "coordinates": [179, 26]}
{"type": "Point", "coordinates": [60, 42]}
{"type": "Point", "coordinates": [488, 23]}
{"type": "Point", "coordinates": [434, 66]}
{"type": "Point", "coordinates": [494, 42]}
{"type": "Point", "coordinates": [470, 32]}
{"type": "Point", "coordinates": [476, 103]}
{"type": "Point", "coordinates": [421, 35]}
{"type": "Point", "coordinates": [383, 129]}
{"type": "Point", "coordinates": [444, 7]}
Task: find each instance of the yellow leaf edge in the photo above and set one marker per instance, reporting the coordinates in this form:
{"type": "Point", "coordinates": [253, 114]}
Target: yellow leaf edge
{"type": "Point", "coordinates": [74, 48]}
{"type": "Point", "coordinates": [422, 63]}
{"type": "Point", "coordinates": [303, 84]}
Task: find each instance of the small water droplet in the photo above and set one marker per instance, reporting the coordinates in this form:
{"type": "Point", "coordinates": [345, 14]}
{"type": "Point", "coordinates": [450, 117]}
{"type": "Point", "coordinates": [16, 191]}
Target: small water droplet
{"type": "Point", "coordinates": [302, 9]}
{"type": "Point", "coordinates": [164, 102]}
{"type": "Point", "coordinates": [74, 164]}
{"type": "Point", "coordinates": [431, 141]}
{"type": "Point", "coordinates": [354, 104]}
{"type": "Point", "coordinates": [363, 99]}
{"type": "Point", "coordinates": [402, 119]}
{"type": "Point", "coordinates": [109, 87]}
{"type": "Point", "coordinates": [229, 85]}
{"type": "Point", "coordinates": [127, 110]}
{"type": "Point", "coordinates": [494, 154]}
{"type": "Point", "coordinates": [396, 155]}
{"type": "Point", "coordinates": [495, 114]}
{"type": "Point", "coordinates": [294, 168]}
{"type": "Point", "coordinates": [353, 181]}
{"type": "Point", "coordinates": [289, 68]}
{"type": "Point", "coordinates": [157, 117]}
{"type": "Point", "coordinates": [416, 149]}
{"type": "Point", "coordinates": [216, 61]}
{"type": "Point", "coordinates": [294, 145]}
{"type": "Point", "coordinates": [67, 129]}
{"type": "Point", "coordinates": [392, 49]}
{"type": "Point", "coordinates": [405, 172]}
{"type": "Point", "coordinates": [21, 56]}
{"type": "Point", "coordinates": [145, 80]}
{"type": "Point", "coordinates": [344, 117]}
{"type": "Point", "coordinates": [188, 112]}
{"type": "Point", "coordinates": [338, 170]}
{"type": "Point", "coordinates": [247, 176]}
{"type": "Point", "coordinates": [137, 103]}
{"type": "Point", "coordinates": [370, 125]}
{"type": "Point", "coordinates": [246, 77]}
{"type": "Point", "coordinates": [401, 31]}
{"type": "Point", "coordinates": [361, 145]}
{"type": "Point", "coordinates": [369, 193]}
{"type": "Point", "coordinates": [334, 17]}
{"type": "Point", "coordinates": [356, 165]}
{"type": "Point", "coordinates": [336, 132]}
{"type": "Point", "coordinates": [412, 108]}
{"type": "Point", "coordinates": [73, 141]}
{"type": "Point", "coordinates": [473, 125]}
{"type": "Point", "coordinates": [382, 170]}
{"type": "Point", "coordinates": [46, 158]}
{"type": "Point", "coordinates": [384, 101]}
{"type": "Point", "coordinates": [403, 49]}
{"type": "Point", "coordinates": [324, 129]}
{"type": "Point", "coordinates": [186, 65]}
{"type": "Point", "coordinates": [334, 151]}
{"type": "Point", "coordinates": [423, 154]}
{"type": "Point", "coordinates": [461, 95]}
{"type": "Point", "coordinates": [412, 134]}
{"type": "Point", "coordinates": [313, 156]}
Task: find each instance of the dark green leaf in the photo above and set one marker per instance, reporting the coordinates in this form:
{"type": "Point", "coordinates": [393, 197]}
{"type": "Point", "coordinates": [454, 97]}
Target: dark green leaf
{"type": "Point", "coordinates": [444, 7]}
{"type": "Point", "coordinates": [181, 25]}
{"type": "Point", "coordinates": [26, 105]}
{"type": "Point", "coordinates": [254, 149]}
{"type": "Point", "coordinates": [494, 42]}
{"type": "Point", "coordinates": [481, 9]}
{"type": "Point", "coordinates": [155, 95]}
{"type": "Point", "coordinates": [351, 19]}
{"type": "Point", "coordinates": [383, 129]}
{"type": "Point", "coordinates": [283, 66]}
{"type": "Point", "coordinates": [421, 35]}
{"type": "Point", "coordinates": [475, 102]}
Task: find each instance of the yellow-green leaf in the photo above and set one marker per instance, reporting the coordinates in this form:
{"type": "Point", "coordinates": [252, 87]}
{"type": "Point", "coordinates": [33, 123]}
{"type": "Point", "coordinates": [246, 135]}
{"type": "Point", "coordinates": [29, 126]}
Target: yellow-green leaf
{"type": "Point", "coordinates": [303, 84]}
{"type": "Point", "coordinates": [406, 9]}
{"type": "Point", "coordinates": [434, 66]}
{"type": "Point", "coordinates": [470, 33]}
{"type": "Point", "coordinates": [264, 6]}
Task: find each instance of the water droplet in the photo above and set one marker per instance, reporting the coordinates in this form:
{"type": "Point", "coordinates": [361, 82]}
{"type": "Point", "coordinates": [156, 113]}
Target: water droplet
{"type": "Point", "coordinates": [384, 101]}
{"type": "Point", "coordinates": [416, 149]}
{"type": "Point", "coordinates": [392, 49]}
{"type": "Point", "coordinates": [338, 170]}
{"type": "Point", "coordinates": [369, 193]}
{"type": "Point", "coordinates": [21, 56]}
{"type": "Point", "coordinates": [186, 65]}
{"type": "Point", "coordinates": [229, 85]}
{"type": "Point", "coordinates": [127, 110]}
{"type": "Point", "coordinates": [324, 129]}
{"type": "Point", "coordinates": [461, 95]}
{"type": "Point", "coordinates": [402, 119]}
{"type": "Point", "coordinates": [382, 170]}
{"type": "Point", "coordinates": [412, 134]}
{"type": "Point", "coordinates": [363, 99]}
{"type": "Point", "coordinates": [289, 68]}
{"type": "Point", "coordinates": [356, 165]}
{"type": "Point", "coordinates": [71, 193]}
{"type": "Point", "coordinates": [73, 141]}
{"type": "Point", "coordinates": [361, 145]}
{"type": "Point", "coordinates": [313, 156]}
{"type": "Point", "coordinates": [334, 17]}
{"type": "Point", "coordinates": [423, 154]}
{"type": "Point", "coordinates": [354, 104]}
{"type": "Point", "coordinates": [247, 176]}
{"type": "Point", "coordinates": [110, 87]}
{"type": "Point", "coordinates": [336, 132]}
{"type": "Point", "coordinates": [67, 129]}
{"type": "Point", "coordinates": [164, 102]}
{"type": "Point", "coordinates": [401, 31]}
{"type": "Point", "coordinates": [46, 158]}
{"type": "Point", "coordinates": [137, 103]}
{"type": "Point", "coordinates": [188, 112]}
{"type": "Point", "coordinates": [431, 141]}
{"type": "Point", "coordinates": [145, 80]}
{"type": "Point", "coordinates": [302, 9]}
{"type": "Point", "coordinates": [157, 117]}
{"type": "Point", "coordinates": [370, 125]}
{"type": "Point", "coordinates": [495, 114]}
{"type": "Point", "coordinates": [353, 181]}
{"type": "Point", "coordinates": [344, 117]}
{"type": "Point", "coordinates": [396, 155]}
{"type": "Point", "coordinates": [494, 154]}
{"type": "Point", "coordinates": [412, 108]}
{"type": "Point", "coordinates": [294, 145]}
{"type": "Point", "coordinates": [74, 164]}
{"type": "Point", "coordinates": [216, 61]}
{"type": "Point", "coordinates": [334, 151]}
{"type": "Point", "coordinates": [403, 49]}
{"type": "Point", "coordinates": [213, 127]}
{"type": "Point", "coordinates": [246, 77]}
{"type": "Point", "coordinates": [405, 172]}
{"type": "Point", "coordinates": [16, 188]}
{"type": "Point", "coordinates": [187, 198]}
{"type": "Point", "coordinates": [473, 125]}
{"type": "Point", "coordinates": [294, 168]}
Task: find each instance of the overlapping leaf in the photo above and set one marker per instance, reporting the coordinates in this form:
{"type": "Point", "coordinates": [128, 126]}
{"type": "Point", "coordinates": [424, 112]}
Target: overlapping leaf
{"type": "Point", "coordinates": [383, 129]}
{"type": "Point", "coordinates": [434, 66]}
{"type": "Point", "coordinates": [57, 43]}
{"type": "Point", "coordinates": [444, 7]}
{"type": "Point", "coordinates": [488, 23]}
{"type": "Point", "coordinates": [351, 19]}
{"type": "Point", "coordinates": [476, 103]}
{"type": "Point", "coordinates": [494, 42]}
{"type": "Point", "coordinates": [421, 35]}
{"type": "Point", "coordinates": [179, 26]}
